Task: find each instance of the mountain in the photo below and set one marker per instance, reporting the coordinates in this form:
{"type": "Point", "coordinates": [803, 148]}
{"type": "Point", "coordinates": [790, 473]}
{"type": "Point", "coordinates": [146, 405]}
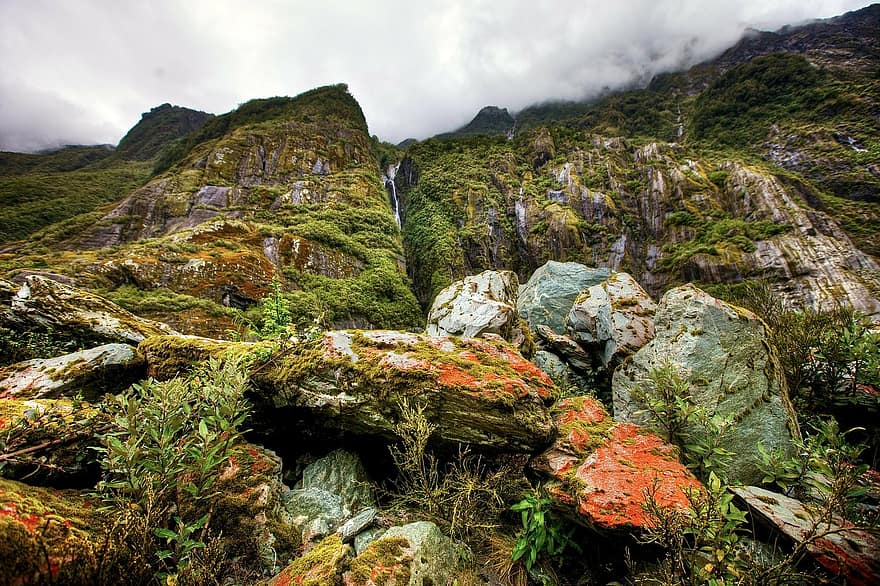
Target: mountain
{"type": "Point", "coordinates": [758, 164]}
{"type": "Point", "coordinates": [63, 188]}
{"type": "Point", "coordinates": [280, 189]}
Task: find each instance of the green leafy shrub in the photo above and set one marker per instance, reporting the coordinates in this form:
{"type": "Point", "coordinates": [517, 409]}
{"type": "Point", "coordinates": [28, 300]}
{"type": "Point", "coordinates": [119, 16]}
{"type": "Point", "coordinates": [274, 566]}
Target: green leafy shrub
{"type": "Point", "coordinates": [542, 534]}
{"type": "Point", "coordinates": [163, 456]}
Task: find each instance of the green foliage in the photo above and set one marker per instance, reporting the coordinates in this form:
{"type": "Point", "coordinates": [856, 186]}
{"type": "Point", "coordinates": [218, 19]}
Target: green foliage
{"type": "Point", "coordinates": [164, 455]}
{"type": "Point", "coordinates": [32, 201]}
{"type": "Point", "coordinates": [16, 346]}
{"type": "Point", "coordinates": [714, 236]}
{"type": "Point", "coordinates": [542, 534]}
{"type": "Point", "coordinates": [466, 495]}
{"type": "Point", "coordinates": [163, 300]}
{"type": "Point", "coordinates": [276, 314]}
{"type": "Point", "coordinates": [673, 414]}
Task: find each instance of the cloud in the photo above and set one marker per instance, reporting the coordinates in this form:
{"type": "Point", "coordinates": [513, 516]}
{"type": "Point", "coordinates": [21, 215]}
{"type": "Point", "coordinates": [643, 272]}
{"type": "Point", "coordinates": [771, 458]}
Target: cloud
{"type": "Point", "coordinates": [84, 71]}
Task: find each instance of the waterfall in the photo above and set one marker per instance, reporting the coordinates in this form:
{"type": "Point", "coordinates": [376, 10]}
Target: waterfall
{"type": "Point", "coordinates": [388, 179]}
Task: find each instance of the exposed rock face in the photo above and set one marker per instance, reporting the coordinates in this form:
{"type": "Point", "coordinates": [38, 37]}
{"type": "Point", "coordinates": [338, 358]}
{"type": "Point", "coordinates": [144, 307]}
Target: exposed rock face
{"type": "Point", "coordinates": [482, 391]}
{"type": "Point", "coordinates": [333, 489]}
{"type": "Point", "coordinates": [723, 354]}
{"type": "Point", "coordinates": [614, 318]}
{"type": "Point", "coordinates": [479, 304]}
{"type": "Point", "coordinates": [409, 555]}
{"type": "Point", "coordinates": [602, 470]}
{"type": "Point", "coordinates": [548, 295]}
{"type": "Point", "coordinates": [840, 548]}
{"type": "Point", "coordinates": [105, 369]}
{"type": "Point", "coordinates": [75, 313]}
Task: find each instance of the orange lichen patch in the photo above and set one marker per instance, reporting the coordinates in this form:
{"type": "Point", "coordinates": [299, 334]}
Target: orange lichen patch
{"type": "Point", "coordinates": [452, 376]}
{"type": "Point", "coordinates": [30, 520]}
{"type": "Point", "coordinates": [615, 480]}
{"type": "Point", "coordinates": [583, 424]}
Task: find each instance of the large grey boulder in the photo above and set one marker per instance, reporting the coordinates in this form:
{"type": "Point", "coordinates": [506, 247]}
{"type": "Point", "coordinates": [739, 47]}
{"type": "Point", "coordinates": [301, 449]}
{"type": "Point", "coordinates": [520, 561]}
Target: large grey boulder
{"type": "Point", "coordinates": [415, 554]}
{"type": "Point", "coordinates": [74, 313]}
{"type": "Point", "coordinates": [732, 372]}
{"type": "Point", "coordinates": [614, 318]}
{"type": "Point", "coordinates": [333, 489]}
{"type": "Point", "coordinates": [548, 295]}
{"type": "Point", "coordinates": [478, 304]}
{"type": "Point", "coordinates": [94, 372]}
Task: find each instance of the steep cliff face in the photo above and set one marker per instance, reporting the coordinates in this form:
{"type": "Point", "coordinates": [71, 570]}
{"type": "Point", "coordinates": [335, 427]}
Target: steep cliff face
{"type": "Point", "coordinates": [286, 189]}
{"type": "Point", "coordinates": [658, 211]}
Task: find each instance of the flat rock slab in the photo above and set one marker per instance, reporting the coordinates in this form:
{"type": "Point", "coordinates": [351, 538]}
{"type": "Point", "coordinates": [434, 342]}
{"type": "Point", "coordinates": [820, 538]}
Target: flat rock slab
{"type": "Point", "coordinates": [479, 391]}
{"type": "Point", "coordinates": [602, 471]}
{"type": "Point", "coordinates": [75, 313]}
{"type": "Point", "coordinates": [840, 548]}
{"type": "Point", "coordinates": [94, 372]}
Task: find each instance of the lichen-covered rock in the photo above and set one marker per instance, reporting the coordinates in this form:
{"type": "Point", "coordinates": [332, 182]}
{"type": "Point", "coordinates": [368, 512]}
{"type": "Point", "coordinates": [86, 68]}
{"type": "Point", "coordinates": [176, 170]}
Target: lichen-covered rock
{"type": "Point", "coordinates": [321, 566]}
{"type": "Point", "coordinates": [478, 304]}
{"type": "Point", "coordinates": [547, 297]}
{"type": "Point", "coordinates": [841, 548]}
{"type": "Point", "coordinates": [601, 470]}
{"type": "Point", "coordinates": [75, 313]}
{"type": "Point", "coordinates": [614, 318]}
{"type": "Point", "coordinates": [482, 391]}
{"type": "Point", "coordinates": [248, 509]}
{"type": "Point", "coordinates": [93, 373]}
{"type": "Point", "coordinates": [410, 555]}
{"type": "Point", "coordinates": [48, 536]}
{"type": "Point", "coordinates": [722, 352]}
{"type": "Point", "coordinates": [332, 490]}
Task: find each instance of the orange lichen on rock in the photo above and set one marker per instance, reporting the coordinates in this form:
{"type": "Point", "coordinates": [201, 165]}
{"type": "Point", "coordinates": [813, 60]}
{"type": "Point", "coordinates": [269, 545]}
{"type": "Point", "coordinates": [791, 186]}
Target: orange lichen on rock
{"type": "Point", "coordinates": [617, 478]}
{"type": "Point", "coordinates": [603, 471]}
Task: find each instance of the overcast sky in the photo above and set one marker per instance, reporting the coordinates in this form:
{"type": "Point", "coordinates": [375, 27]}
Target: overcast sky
{"type": "Point", "coordinates": [82, 71]}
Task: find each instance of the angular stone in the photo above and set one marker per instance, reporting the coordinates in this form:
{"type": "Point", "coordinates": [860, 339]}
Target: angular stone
{"type": "Point", "coordinates": [357, 524]}
{"type": "Point", "coordinates": [837, 545]}
{"type": "Point", "coordinates": [94, 372]}
{"type": "Point", "coordinates": [601, 470]}
{"type": "Point", "coordinates": [565, 347]}
{"type": "Point", "coordinates": [548, 295]}
{"type": "Point", "coordinates": [722, 352]}
{"type": "Point", "coordinates": [482, 391]}
{"type": "Point", "coordinates": [75, 313]}
{"type": "Point", "coordinates": [478, 304]}
{"type": "Point", "coordinates": [341, 473]}
{"type": "Point", "coordinates": [614, 318]}
{"type": "Point", "coordinates": [409, 555]}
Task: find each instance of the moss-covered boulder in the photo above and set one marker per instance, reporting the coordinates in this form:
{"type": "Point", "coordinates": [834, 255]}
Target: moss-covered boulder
{"type": "Point", "coordinates": [547, 297]}
{"type": "Point", "coordinates": [75, 313]}
{"type": "Point", "coordinates": [94, 372]}
{"type": "Point", "coordinates": [602, 471]}
{"type": "Point", "coordinates": [731, 371]}
{"type": "Point", "coordinates": [49, 536]}
{"type": "Point", "coordinates": [478, 391]}
{"type": "Point", "coordinates": [408, 555]}
{"type": "Point", "coordinates": [47, 441]}
{"type": "Point", "coordinates": [321, 566]}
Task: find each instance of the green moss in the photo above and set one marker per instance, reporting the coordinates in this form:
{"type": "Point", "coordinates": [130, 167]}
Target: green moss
{"type": "Point", "coordinates": [322, 566]}
{"type": "Point", "coordinates": [385, 562]}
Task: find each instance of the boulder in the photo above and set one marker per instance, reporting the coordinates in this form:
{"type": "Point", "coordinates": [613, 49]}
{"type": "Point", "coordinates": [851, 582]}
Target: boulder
{"type": "Point", "coordinates": [722, 352]}
{"type": "Point", "coordinates": [333, 490]}
{"type": "Point", "coordinates": [480, 391]}
{"type": "Point", "coordinates": [614, 318]}
{"type": "Point", "coordinates": [321, 566]}
{"type": "Point", "coordinates": [408, 555]}
{"type": "Point", "coordinates": [94, 372]}
{"type": "Point", "coordinates": [564, 347]}
{"type": "Point", "coordinates": [47, 441]}
{"type": "Point", "coordinates": [478, 304]}
{"type": "Point", "coordinates": [48, 536]}
{"type": "Point", "coordinates": [837, 545]}
{"type": "Point", "coordinates": [75, 313]}
{"type": "Point", "coordinates": [548, 295]}
{"type": "Point", "coordinates": [601, 471]}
